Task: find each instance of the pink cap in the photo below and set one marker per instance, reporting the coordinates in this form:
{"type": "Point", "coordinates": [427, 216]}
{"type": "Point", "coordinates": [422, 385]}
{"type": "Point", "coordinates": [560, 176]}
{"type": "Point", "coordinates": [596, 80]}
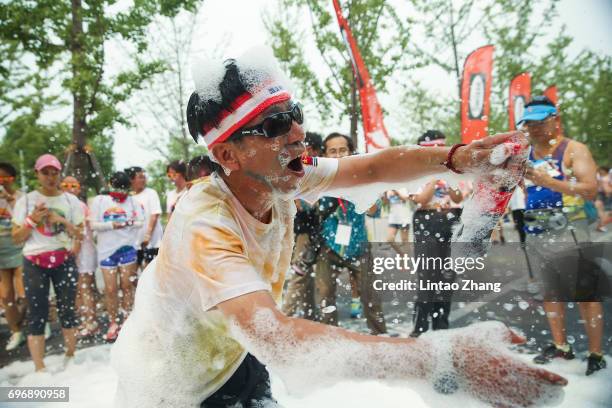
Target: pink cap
{"type": "Point", "coordinates": [47, 160]}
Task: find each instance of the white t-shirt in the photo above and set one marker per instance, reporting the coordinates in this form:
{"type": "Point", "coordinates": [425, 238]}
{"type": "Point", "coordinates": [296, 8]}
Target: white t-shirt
{"type": "Point", "coordinates": [400, 212]}
{"type": "Point", "coordinates": [175, 349]}
{"type": "Point", "coordinates": [6, 214]}
{"type": "Point", "coordinates": [149, 200]}
{"type": "Point", "coordinates": [46, 237]}
{"type": "Point", "coordinates": [106, 210]}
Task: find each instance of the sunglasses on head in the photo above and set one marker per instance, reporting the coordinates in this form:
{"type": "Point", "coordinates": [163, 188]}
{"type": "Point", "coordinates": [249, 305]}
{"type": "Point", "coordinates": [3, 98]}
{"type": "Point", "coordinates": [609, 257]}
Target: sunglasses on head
{"type": "Point", "coordinates": [70, 185]}
{"type": "Point", "coordinates": [277, 124]}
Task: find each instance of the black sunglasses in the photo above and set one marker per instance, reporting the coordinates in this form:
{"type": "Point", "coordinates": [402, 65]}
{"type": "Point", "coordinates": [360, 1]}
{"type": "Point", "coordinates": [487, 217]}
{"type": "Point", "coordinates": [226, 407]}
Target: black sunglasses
{"type": "Point", "coordinates": [276, 124]}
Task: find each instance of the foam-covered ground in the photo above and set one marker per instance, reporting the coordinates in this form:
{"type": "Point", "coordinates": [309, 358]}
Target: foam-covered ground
{"type": "Point", "coordinates": [92, 384]}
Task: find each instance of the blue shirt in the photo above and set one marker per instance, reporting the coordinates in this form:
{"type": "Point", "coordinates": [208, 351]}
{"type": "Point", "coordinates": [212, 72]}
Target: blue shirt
{"type": "Point", "coordinates": [350, 217]}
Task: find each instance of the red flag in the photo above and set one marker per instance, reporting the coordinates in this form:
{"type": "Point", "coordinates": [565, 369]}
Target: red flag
{"type": "Point", "coordinates": [475, 94]}
{"type": "Point", "coordinates": [376, 136]}
{"type": "Point", "coordinates": [520, 94]}
{"type": "Point", "coordinates": [551, 93]}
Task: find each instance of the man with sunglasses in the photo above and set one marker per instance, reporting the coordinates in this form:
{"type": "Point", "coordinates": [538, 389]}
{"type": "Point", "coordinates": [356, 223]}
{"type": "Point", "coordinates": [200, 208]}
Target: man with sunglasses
{"type": "Point", "coordinates": [211, 296]}
{"type": "Point", "coordinates": [560, 177]}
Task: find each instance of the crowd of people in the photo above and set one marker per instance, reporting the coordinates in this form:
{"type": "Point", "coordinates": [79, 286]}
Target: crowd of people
{"type": "Point", "coordinates": [54, 235]}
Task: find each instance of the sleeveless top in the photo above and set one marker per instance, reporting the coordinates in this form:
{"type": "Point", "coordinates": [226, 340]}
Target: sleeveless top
{"type": "Point", "coordinates": [539, 197]}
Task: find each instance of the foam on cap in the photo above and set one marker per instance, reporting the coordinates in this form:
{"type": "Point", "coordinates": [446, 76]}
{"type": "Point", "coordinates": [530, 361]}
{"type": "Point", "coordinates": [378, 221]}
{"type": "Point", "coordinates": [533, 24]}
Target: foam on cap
{"type": "Point", "coordinates": [207, 74]}
{"type": "Point", "coordinates": [258, 65]}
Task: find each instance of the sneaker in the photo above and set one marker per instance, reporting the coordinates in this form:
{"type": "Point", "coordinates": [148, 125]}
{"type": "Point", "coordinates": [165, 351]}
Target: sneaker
{"type": "Point", "coordinates": [553, 351]}
{"type": "Point", "coordinates": [16, 340]}
{"type": "Point", "coordinates": [595, 362]}
{"type": "Point", "coordinates": [47, 331]}
{"type": "Point", "coordinates": [113, 332]}
{"type": "Point", "coordinates": [356, 308]}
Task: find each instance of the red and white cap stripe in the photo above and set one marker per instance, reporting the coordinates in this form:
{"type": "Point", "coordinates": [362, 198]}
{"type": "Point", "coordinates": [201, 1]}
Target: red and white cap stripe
{"type": "Point", "coordinates": [432, 143]}
{"type": "Point", "coordinates": [244, 108]}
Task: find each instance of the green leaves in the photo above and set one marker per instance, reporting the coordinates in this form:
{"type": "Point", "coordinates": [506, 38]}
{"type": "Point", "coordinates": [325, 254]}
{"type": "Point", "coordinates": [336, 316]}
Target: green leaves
{"type": "Point", "coordinates": [52, 53]}
{"type": "Point", "coordinates": [381, 36]}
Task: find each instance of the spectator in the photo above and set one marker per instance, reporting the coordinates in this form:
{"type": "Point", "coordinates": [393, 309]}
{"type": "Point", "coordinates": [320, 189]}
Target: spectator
{"type": "Point", "coordinates": [117, 218]}
{"type": "Point", "coordinates": [199, 166]}
{"type": "Point", "coordinates": [433, 228]}
{"type": "Point", "coordinates": [560, 178]}
{"type": "Point", "coordinates": [87, 265]}
{"type": "Point", "coordinates": [517, 207]}
{"type": "Point", "coordinates": [177, 173]}
{"type": "Point", "coordinates": [343, 233]}
{"type": "Point", "coordinates": [12, 293]}
{"type": "Point", "coordinates": [49, 222]}
{"type": "Point", "coordinates": [300, 294]}
{"type": "Point", "coordinates": [400, 214]}
{"type": "Point", "coordinates": [151, 232]}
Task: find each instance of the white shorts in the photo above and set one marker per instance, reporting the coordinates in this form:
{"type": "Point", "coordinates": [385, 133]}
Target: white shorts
{"type": "Point", "coordinates": [87, 261]}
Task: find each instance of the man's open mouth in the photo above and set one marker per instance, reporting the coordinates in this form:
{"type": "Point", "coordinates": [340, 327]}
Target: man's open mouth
{"type": "Point", "coordinates": [296, 165]}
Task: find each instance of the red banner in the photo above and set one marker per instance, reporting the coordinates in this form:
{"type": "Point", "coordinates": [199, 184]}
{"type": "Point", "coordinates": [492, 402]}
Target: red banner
{"type": "Point", "coordinates": [476, 93]}
{"type": "Point", "coordinates": [376, 136]}
{"type": "Point", "coordinates": [520, 94]}
{"type": "Point", "coordinates": [551, 93]}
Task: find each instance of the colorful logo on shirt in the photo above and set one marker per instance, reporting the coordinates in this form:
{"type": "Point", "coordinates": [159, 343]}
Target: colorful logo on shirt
{"type": "Point", "coordinates": [115, 214]}
{"type": "Point", "coordinates": [441, 190]}
{"type": "Point", "coordinates": [49, 230]}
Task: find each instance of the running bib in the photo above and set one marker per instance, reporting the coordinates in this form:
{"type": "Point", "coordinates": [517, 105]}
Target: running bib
{"type": "Point", "coordinates": [343, 234]}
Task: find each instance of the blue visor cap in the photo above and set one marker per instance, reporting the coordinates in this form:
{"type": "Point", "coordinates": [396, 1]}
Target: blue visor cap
{"type": "Point", "coordinates": [537, 113]}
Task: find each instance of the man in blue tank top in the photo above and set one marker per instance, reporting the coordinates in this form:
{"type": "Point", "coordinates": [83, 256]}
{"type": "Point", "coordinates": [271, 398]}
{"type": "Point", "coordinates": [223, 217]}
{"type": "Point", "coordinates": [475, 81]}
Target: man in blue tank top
{"type": "Point", "coordinates": [560, 177]}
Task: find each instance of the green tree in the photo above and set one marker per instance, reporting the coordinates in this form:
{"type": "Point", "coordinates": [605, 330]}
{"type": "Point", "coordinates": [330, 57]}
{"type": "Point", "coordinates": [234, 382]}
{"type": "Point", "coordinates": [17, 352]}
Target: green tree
{"type": "Point", "coordinates": [450, 28]}
{"type": "Point", "coordinates": [582, 80]}
{"type": "Point", "coordinates": [382, 37]}
{"type": "Point", "coordinates": [65, 41]}
{"type": "Point", "coordinates": [163, 99]}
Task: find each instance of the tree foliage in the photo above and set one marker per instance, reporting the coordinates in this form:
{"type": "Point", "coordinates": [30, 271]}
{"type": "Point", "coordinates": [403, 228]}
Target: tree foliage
{"type": "Point", "coordinates": [382, 37]}
{"type": "Point", "coordinates": [54, 55]}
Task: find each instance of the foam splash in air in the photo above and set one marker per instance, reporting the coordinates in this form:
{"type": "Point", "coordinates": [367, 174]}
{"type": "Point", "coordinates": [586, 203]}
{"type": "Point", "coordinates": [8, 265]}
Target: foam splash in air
{"type": "Point", "coordinates": [492, 191]}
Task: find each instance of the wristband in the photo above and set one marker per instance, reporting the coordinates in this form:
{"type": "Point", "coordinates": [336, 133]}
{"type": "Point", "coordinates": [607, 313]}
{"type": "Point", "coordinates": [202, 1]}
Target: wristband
{"type": "Point", "coordinates": [30, 223]}
{"type": "Point", "coordinates": [449, 158]}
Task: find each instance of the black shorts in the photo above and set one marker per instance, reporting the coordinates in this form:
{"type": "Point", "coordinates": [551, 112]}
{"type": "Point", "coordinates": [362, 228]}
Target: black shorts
{"type": "Point", "coordinates": [147, 255]}
{"type": "Point", "coordinates": [578, 274]}
{"type": "Point", "coordinates": [248, 387]}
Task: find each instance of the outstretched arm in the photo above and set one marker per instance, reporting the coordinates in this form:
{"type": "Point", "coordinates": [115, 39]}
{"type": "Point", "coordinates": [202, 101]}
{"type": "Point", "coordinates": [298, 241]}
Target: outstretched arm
{"type": "Point", "coordinates": [403, 163]}
{"type": "Point", "coordinates": [474, 357]}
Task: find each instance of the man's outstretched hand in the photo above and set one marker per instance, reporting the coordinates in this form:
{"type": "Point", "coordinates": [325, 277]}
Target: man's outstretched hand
{"type": "Point", "coordinates": [484, 367]}
{"type": "Point", "coordinates": [476, 156]}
